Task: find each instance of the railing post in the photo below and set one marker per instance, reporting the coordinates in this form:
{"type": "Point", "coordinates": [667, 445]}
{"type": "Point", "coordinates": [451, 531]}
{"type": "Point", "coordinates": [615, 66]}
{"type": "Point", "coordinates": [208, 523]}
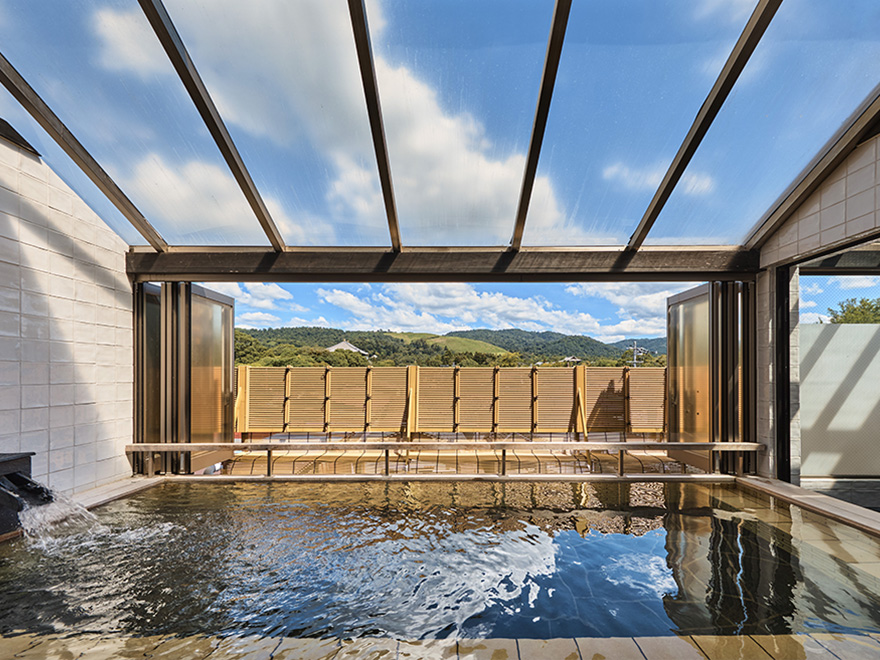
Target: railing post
{"type": "Point", "coordinates": [503, 462]}
{"type": "Point", "coordinates": [387, 463]}
{"type": "Point", "coordinates": [269, 463]}
{"type": "Point", "coordinates": [620, 454]}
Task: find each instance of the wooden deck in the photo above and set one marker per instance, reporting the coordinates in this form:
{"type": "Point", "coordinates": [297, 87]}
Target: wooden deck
{"type": "Point", "coordinates": [696, 647]}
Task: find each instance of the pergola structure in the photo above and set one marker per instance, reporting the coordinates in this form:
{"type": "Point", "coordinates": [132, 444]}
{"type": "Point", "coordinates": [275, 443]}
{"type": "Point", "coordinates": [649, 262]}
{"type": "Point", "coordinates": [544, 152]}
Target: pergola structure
{"type": "Point", "coordinates": [79, 285]}
{"type": "Point", "coordinates": [282, 261]}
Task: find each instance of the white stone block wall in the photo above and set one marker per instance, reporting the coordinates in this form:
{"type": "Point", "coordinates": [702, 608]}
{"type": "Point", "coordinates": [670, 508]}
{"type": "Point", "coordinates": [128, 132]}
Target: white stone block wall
{"type": "Point", "coordinates": [66, 338]}
{"type": "Point", "coordinates": [844, 209]}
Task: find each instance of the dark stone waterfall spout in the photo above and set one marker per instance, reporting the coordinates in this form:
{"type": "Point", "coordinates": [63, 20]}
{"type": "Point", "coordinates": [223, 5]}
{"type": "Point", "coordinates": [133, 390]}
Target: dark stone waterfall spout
{"type": "Point", "coordinates": [18, 490]}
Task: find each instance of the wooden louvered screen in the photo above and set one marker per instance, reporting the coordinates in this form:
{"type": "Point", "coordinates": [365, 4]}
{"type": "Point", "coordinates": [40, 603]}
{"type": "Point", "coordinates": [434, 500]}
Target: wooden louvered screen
{"type": "Point", "coordinates": [307, 398]}
{"type": "Point", "coordinates": [348, 398]}
{"type": "Point", "coordinates": [436, 398]}
{"type": "Point", "coordinates": [476, 389]}
{"type": "Point", "coordinates": [278, 399]}
{"type": "Point", "coordinates": [266, 399]}
{"type": "Point", "coordinates": [604, 399]}
{"type": "Point", "coordinates": [647, 400]}
{"type": "Point", "coordinates": [554, 406]}
{"type": "Point", "coordinates": [515, 400]}
{"type": "Point", "coordinates": [388, 402]}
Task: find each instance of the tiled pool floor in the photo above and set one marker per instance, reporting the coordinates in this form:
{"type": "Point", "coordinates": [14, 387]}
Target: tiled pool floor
{"type": "Point", "coordinates": [697, 647]}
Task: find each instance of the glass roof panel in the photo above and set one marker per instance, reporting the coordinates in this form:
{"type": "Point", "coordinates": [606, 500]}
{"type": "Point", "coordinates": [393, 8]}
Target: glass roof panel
{"type": "Point", "coordinates": [101, 69]}
{"type": "Point", "coordinates": [813, 67]}
{"type": "Point", "coordinates": [66, 169]}
{"type": "Point", "coordinates": [632, 77]}
{"type": "Point", "coordinates": [458, 83]}
{"type": "Point", "coordinates": [284, 76]}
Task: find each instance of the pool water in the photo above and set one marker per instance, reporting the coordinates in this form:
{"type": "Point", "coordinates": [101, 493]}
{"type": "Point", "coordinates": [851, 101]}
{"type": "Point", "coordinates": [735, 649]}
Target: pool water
{"type": "Point", "coordinates": [435, 560]}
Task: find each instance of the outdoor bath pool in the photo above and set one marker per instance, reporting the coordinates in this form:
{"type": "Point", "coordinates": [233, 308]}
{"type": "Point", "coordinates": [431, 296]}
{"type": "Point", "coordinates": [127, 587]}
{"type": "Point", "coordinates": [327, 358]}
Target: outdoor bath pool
{"type": "Point", "coordinates": [428, 560]}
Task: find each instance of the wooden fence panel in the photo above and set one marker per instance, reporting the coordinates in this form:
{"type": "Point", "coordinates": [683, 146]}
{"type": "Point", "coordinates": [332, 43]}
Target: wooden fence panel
{"type": "Point", "coordinates": [604, 400]}
{"type": "Point", "coordinates": [266, 399]}
{"type": "Point", "coordinates": [278, 399]}
{"type": "Point", "coordinates": [348, 399]}
{"type": "Point", "coordinates": [388, 402]}
{"type": "Point", "coordinates": [515, 400]}
{"type": "Point", "coordinates": [476, 392]}
{"type": "Point", "coordinates": [307, 398]}
{"type": "Point", "coordinates": [436, 399]}
{"type": "Point", "coordinates": [647, 400]}
{"type": "Point", "coordinates": [555, 401]}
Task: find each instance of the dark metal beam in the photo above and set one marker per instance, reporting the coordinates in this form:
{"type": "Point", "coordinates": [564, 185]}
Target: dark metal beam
{"type": "Point", "coordinates": [736, 62]}
{"type": "Point", "coordinates": [548, 80]}
{"type": "Point", "coordinates": [856, 128]}
{"type": "Point", "coordinates": [189, 76]}
{"type": "Point", "coordinates": [854, 262]}
{"type": "Point", "coordinates": [31, 101]}
{"type": "Point", "coordinates": [443, 265]}
{"type": "Point", "coordinates": [374, 110]}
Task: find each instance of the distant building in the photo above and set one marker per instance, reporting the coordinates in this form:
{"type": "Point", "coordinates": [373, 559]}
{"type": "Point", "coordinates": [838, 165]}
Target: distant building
{"type": "Point", "coordinates": [571, 358]}
{"type": "Point", "coordinates": [347, 346]}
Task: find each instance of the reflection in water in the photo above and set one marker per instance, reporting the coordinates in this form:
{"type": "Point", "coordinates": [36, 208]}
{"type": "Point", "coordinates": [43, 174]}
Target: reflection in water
{"type": "Point", "coordinates": [425, 560]}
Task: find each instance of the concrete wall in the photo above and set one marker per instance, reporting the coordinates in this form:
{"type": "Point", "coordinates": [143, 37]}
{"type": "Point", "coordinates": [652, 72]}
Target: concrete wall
{"type": "Point", "coordinates": [840, 400]}
{"type": "Point", "coordinates": [845, 208]}
{"type": "Point", "coordinates": [66, 356]}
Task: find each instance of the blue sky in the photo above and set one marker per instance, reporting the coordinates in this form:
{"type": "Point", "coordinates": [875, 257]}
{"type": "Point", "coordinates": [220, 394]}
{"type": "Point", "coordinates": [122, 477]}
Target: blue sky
{"type": "Point", "coordinates": [818, 294]}
{"type": "Point", "coordinates": [458, 81]}
{"type": "Point", "coordinates": [606, 311]}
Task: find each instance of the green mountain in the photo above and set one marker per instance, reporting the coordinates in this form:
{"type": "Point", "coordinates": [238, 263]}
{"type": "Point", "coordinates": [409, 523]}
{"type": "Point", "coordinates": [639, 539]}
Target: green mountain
{"type": "Point", "coordinates": [549, 344]}
{"type": "Point", "coordinates": [653, 344]}
{"type": "Point", "coordinates": [306, 346]}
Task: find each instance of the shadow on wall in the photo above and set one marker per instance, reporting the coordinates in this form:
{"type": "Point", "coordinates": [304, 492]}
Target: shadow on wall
{"type": "Point", "coordinates": [65, 330]}
{"type": "Point", "coordinates": [840, 400]}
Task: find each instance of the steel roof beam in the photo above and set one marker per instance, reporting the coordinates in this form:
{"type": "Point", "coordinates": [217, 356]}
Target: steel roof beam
{"type": "Point", "coordinates": [736, 62]}
{"type": "Point", "coordinates": [548, 80]}
{"type": "Point", "coordinates": [170, 39]}
{"type": "Point", "coordinates": [416, 264]}
{"type": "Point", "coordinates": [361, 30]}
{"type": "Point", "coordinates": [31, 101]}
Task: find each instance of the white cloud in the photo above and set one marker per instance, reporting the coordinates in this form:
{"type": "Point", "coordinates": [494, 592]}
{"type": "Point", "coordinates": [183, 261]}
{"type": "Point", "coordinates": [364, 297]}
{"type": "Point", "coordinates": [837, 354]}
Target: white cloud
{"type": "Point", "coordinates": [129, 43]}
{"type": "Point", "coordinates": [847, 282]}
{"type": "Point", "coordinates": [205, 199]}
{"type": "Point", "coordinates": [452, 184]}
{"type": "Point", "coordinates": [649, 178]}
{"type": "Point", "coordinates": [319, 322]}
{"type": "Point", "coordinates": [441, 308]}
{"type": "Point", "coordinates": [256, 320]}
{"type": "Point", "coordinates": [258, 295]}
{"type": "Point", "coordinates": [641, 301]}
{"type": "Point", "coordinates": [807, 304]}
{"type": "Point", "coordinates": [811, 289]}
{"type": "Point", "coordinates": [732, 11]}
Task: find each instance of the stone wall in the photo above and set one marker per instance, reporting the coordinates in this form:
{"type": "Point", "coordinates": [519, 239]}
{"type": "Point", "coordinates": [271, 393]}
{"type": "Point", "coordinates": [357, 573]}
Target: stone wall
{"type": "Point", "coordinates": [66, 356]}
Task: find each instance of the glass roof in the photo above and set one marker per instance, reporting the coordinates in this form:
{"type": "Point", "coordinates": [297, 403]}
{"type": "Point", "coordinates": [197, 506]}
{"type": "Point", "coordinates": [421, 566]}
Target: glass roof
{"type": "Point", "coordinates": [458, 83]}
{"type": "Point", "coordinates": [101, 69]}
{"type": "Point", "coordinates": [812, 68]}
{"type": "Point", "coordinates": [631, 80]}
{"type": "Point", "coordinates": [284, 76]}
{"type": "Point", "coordinates": [66, 169]}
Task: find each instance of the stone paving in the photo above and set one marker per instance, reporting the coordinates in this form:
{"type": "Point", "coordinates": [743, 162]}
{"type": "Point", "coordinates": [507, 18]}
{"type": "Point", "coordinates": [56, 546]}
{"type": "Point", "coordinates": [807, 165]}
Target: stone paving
{"type": "Point", "coordinates": [696, 647]}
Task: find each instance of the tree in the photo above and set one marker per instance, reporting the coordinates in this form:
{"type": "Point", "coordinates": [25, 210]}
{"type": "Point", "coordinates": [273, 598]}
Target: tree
{"type": "Point", "coordinates": [865, 310]}
{"type": "Point", "coordinates": [247, 349]}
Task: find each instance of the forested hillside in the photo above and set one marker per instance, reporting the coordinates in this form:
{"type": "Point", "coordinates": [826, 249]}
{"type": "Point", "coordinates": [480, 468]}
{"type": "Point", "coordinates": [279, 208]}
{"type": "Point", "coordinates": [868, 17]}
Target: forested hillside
{"type": "Point", "coordinates": [306, 346]}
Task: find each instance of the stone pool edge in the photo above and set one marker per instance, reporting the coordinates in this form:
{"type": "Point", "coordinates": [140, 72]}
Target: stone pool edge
{"type": "Point", "coordinates": [863, 519]}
